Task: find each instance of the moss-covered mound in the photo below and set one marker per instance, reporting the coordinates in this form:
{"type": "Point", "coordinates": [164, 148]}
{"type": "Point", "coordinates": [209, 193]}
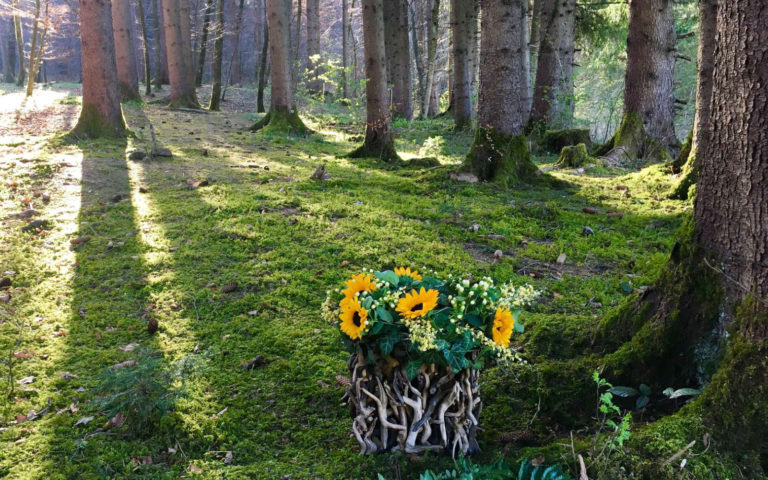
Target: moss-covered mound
{"type": "Point", "coordinates": [575, 156]}
{"type": "Point", "coordinates": [554, 141]}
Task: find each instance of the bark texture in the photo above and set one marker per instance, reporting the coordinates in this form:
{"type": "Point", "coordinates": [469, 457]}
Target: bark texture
{"type": "Point", "coordinates": [429, 81]}
{"type": "Point", "coordinates": [345, 48]}
{"type": "Point", "coordinates": [19, 33]}
{"type": "Point", "coordinates": [260, 108]}
{"type": "Point", "coordinates": [701, 121]}
{"type": "Point", "coordinates": [7, 48]}
{"type": "Point", "coordinates": [500, 151]}
{"type": "Point", "coordinates": [145, 40]}
{"type": "Point", "coordinates": [101, 114]}
{"type": "Point", "coordinates": [125, 50]}
{"type": "Point", "coordinates": [218, 54]}
{"type": "Point", "coordinates": [313, 45]}
{"type": "Point", "coordinates": [181, 76]}
{"type": "Point", "coordinates": [398, 53]}
{"type": "Point", "coordinates": [553, 103]}
{"type": "Point", "coordinates": [378, 131]}
{"type": "Point", "coordinates": [207, 14]}
{"type": "Point", "coordinates": [462, 18]}
{"type": "Point", "coordinates": [158, 35]}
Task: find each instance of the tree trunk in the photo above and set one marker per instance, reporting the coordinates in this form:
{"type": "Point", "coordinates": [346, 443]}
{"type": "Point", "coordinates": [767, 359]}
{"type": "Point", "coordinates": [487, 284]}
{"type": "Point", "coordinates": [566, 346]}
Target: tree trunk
{"type": "Point", "coordinates": [204, 41]}
{"type": "Point", "coordinates": [417, 57]}
{"type": "Point", "coordinates": [706, 64]}
{"type": "Point", "coordinates": [297, 47]}
{"type": "Point", "coordinates": [553, 94]}
{"type": "Point", "coordinates": [235, 66]}
{"type": "Point", "coordinates": [344, 48]}
{"type": "Point", "coordinates": [313, 46]}
{"type": "Point", "coordinates": [6, 49]}
{"type": "Point", "coordinates": [500, 150]}
{"type": "Point", "coordinates": [432, 33]}
{"type": "Point", "coordinates": [22, 75]}
{"type": "Point", "coordinates": [263, 67]}
{"type": "Point", "coordinates": [100, 114]}
{"type": "Point", "coordinates": [535, 37]}
{"type": "Point", "coordinates": [282, 116]}
{"type": "Point", "coordinates": [378, 130]}
{"type": "Point", "coordinates": [186, 43]}
{"type": "Point", "coordinates": [462, 15]}
{"type": "Point", "coordinates": [33, 50]}
{"type": "Point", "coordinates": [125, 51]}
{"type": "Point", "coordinates": [178, 49]}
{"type": "Point", "coordinates": [218, 53]}
{"type": "Point", "coordinates": [474, 48]}
{"type": "Point", "coordinates": [147, 73]}
{"type": "Point", "coordinates": [647, 128]}
{"type": "Point", "coordinates": [158, 35]}
{"type": "Point", "coordinates": [398, 55]}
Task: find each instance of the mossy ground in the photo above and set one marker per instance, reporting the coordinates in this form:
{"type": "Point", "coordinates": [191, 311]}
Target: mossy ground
{"type": "Point", "coordinates": [285, 240]}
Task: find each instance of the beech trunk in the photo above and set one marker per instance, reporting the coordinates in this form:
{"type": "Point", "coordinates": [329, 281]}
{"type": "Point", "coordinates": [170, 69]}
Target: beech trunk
{"type": "Point", "coordinates": [125, 50]}
{"type": "Point", "coordinates": [100, 114]}
{"type": "Point", "coordinates": [427, 107]}
{"type": "Point", "coordinates": [19, 33]}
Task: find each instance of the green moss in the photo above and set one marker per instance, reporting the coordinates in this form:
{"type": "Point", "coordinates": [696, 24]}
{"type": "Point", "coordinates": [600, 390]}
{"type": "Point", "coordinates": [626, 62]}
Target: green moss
{"type": "Point", "coordinates": [127, 93]}
{"type": "Point", "coordinates": [554, 141]}
{"type": "Point", "coordinates": [689, 177]}
{"type": "Point", "coordinates": [495, 156]}
{"type": "Point", "coordinates": [281, 121]}
{"type": "Point", "coordinates": [185, 101]}
{"type": "Point", "coordinates": [685, 152]}
{"type": "Point", "coordinates": [575, 156]}
{"type": "Point", "coordinates": [91, 124]}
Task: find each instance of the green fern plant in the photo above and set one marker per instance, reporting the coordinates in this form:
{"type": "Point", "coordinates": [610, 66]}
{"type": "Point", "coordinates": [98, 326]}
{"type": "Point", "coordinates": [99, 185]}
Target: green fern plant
{"type": "Point", "coordinates": [464, 469]}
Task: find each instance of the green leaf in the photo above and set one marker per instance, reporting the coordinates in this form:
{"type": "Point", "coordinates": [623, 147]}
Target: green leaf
{"type": "Point", "coordinates": [668, 391]}
{"type": "Point", "coordinates": [645, 389]}
{"type": "Point", "coordinates": [626, 286]}
{"type": "Point", "coordinates": [388, 276]}
{"type": "Point", "coordinates": [474, 320]}
{"type": "Point", "coordinates": [519, 327]}
{"type": "Point", "coordinates": [642, 401]}
{"type": "Point", "coordinates": [377, 327]}
{"type": "Point", "coordinates": [383, 314]}
{"type": "Point", "coordinates": [685, 392]}
{"type": "Point", "coordinates": [624, 392]}
{"type": "Point", "coordinates": [367, 302]}
{"type": "Point", "coordinates": [388, 341]}
{"type": "Point", "coordinates": [412, 369]}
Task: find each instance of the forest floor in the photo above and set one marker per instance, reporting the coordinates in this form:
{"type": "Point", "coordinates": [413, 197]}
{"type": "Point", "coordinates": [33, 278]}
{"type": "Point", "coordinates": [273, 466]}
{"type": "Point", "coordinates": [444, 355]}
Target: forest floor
{"type": "Point", "coordinates": [160, 247]}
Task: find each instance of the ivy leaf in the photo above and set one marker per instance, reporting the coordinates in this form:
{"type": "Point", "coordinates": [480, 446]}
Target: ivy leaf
{"type": "Point", "coordinates": [388, 276]}
{"type": "Point", "coordinates": [641, 402]}
{"type": "Point", "coordinates": [383, 314]}
{"type": "Point", "coordinates": [645, 389]}
{"type": "Point", "coordinates": [377, 327]}
{"type": "Point", "coordinates": [519, 327]}
{"type": "Point", "coordinates": [412, 369]}
{"type": "Point", "coordinates": [474, 320]}
{"type": "Point", "coordinates": [624, 392]}
{"type": "Point", "coordinates": [685, 392]}
{"type": "Point", "coordinates": [626, 286]}
{"type": "Point", "coordinates": [388, 341]}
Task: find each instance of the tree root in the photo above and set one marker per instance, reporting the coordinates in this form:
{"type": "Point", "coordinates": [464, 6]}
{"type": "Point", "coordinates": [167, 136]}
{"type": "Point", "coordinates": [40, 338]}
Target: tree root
{"type": "Point", "coordinates": [437, 410]}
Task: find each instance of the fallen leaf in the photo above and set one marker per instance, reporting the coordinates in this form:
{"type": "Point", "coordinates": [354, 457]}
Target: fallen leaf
{"type": "Point", "coordinates": [24, 354]}
{"type": "Point", "coordinates": [129, 348]}
{"type": "Point", "coordinates": [125, 364]}
{"type": "Point", "coordinates": [79, 240]}
{"type": "Point", "coordinates": [83, 421]}
{"type": "Point", "coordinates": [195, 469]}
{"type": "Point", "coordinates": [117, 421]}
{"type": "Point", "coordinates": [253, 312]}
{"type": "Point", "coordinates": [26, 380]}
{"type": "Point", "coordinates": [256, 363]}
{"type": "Point", "coordinates": [322, 384]}
{"type": "Point", "coordinates": [20, 418]}
{"type": "Point", "coordinates": [561, 259]}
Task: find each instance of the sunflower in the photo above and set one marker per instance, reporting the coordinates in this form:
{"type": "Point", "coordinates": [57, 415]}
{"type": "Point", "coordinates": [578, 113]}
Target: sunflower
{"type": "Point", "coordinates": [354, 318]}
{"type": "Point", "coordinates": [359, 283]}
{"type": "Point", "coordinates": [417, 304]}
{"type": "Point", "coordinates": [503, 323]}
{"type": "Point", "coordinates": [406, 272]}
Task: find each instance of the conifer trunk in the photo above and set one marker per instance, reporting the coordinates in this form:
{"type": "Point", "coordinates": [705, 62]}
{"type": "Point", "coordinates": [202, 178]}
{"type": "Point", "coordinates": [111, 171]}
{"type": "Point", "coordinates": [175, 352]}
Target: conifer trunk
{"type": "Point", "coordinates": [182, 78]}
{"type": "Point", "coordinates": [462, 16]}
{"type": "Point", "coordinates": [147, 73]}
{"type": "Point", "coordinates": [260, 108]}
{"type": "Point", "coordinates": [6, 48]}
{"type": "Point", "coordinates": [125, 51]}
{"type": "Point", "coordinates": [19, 31]}
{"type": "Point", "coordinates": [158, 35]}
{"type": "Point", "coordinates": [398, 52]}
{"type": "Point", "coordinates": [218, 53]}
{"type": "Point", "coordinates": [315, 85]}
{"type": "Point", "coordinates": [207, 14]}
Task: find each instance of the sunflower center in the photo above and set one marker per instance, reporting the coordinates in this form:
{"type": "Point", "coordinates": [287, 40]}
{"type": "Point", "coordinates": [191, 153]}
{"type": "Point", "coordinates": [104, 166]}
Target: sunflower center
{"type": "Point", "coordinates": [416, 307]}
{"type": "Point", "coordinates": [356, 319]}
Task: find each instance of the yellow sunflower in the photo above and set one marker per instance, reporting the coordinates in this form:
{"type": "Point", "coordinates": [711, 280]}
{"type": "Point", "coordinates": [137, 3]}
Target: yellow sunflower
{"type": "Point", "coordinates": [406, 272]}
{"type": "Point", "coordinates": [359, 283]}
{"type": "Point", "coordinates": [417, 304]}
{"type": "Point", "coordinates": [353, 318]}
{"type": "Point", "coordinates": [503, 323]}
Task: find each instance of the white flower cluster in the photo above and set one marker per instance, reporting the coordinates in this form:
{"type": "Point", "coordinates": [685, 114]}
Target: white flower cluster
{"type": "Point", "coordinates": [517, 297]}
{"type": "Point", "coordinates": [422, 333]}
{"type": "Point", "coordinates": [330, 309]}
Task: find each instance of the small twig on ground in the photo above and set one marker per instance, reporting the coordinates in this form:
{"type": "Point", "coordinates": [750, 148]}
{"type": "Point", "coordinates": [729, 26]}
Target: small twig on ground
{"type": "Point", "coordinates": [680, 453]}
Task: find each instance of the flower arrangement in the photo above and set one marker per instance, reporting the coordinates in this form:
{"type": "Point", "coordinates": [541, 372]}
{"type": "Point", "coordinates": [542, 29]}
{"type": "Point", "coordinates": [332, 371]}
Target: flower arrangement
{"type": "Point", "coordinates": [422, 320]}
{"type": "Point", "coordinates": [417, 344]}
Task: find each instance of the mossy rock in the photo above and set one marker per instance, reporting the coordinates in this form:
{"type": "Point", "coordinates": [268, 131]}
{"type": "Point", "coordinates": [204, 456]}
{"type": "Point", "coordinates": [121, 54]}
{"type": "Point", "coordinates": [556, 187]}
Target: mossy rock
{"type": "Point", "coordinates": [575, 156]}
{"type": "Point", "coordinates": [554, 141]}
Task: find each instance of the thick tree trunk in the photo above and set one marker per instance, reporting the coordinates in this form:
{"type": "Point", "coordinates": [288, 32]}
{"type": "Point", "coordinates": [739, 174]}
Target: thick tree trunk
{"type": "Point", "coordinates": [179, 53]}
{"type": "Point", "coordinates": [398, 54]}
{"type": "Point", "coordinates": [260, 108]}
{"type": "Point", "coordinates": [204, 41]}
{"type": "Point", "coordinates": [19, 31]}
{"type": "Point", "coordinates": [147, 73]}
{"type": "Point", "coordinates": [647, 128]}
{"type": "Point", "coordinates": [158, 35]}
{"type": "Point", "coordinates": [417, 33]}
{"type": "Point", "coordinates": [701, 121]}
{"type": "Point", "coordinates": [553, 103]}
{"type": "Point", "coordinates": [432, 34]}
{"type": "Point", "coordinates": [313, 46]}
{"type": "Point", "coordinates": [282, 116]}
{"type": "Point", "coordinates": [6, 48]}
{"type": "Point", "coordinates": [125, 51]}
{"type": "Point", "coordinates": [462, 16]}
{"type": "Point", "coordinates": [235, 65]}
{"type": "Point", "coordinates": [218, 53]}
{"type": "Point", "coordinates": [100, 114]}
{"type": "Point", "coordinates": [33, 50]}
{"type": "Point", "coordinates": [345, 48]}
{"type": "Point", "coordinates": [378, 130]}
{"type": "Point", "coordinates": [500, 151]}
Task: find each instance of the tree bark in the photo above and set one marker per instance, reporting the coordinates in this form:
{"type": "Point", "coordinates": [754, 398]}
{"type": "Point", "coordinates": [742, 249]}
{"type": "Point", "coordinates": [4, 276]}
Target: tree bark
{"type": "Point", "coordinates": [125, 51]}
{"type": "Point", "coordinates": [701, 121]}
{"type": "Point", "coordinates": [147, 73]}
{"type": "Point", "coordinates": [204, 41]}
{"type": "Point", "coordinates": [345, 26]}
{"type": "Point", "coordinates": [416, 34]}
{"type": "Point", "coordinates": [295, 64]}
{"type": "Point", "coordinates": [313, 46]}
{"type": "Point", "coordinates": [158, 35]}
{"type": "Point", "coordinates": [6, 49]}
{"type": "Point", "coordinates": [462, 16]}
{"type": "Point", "coordinates": [263, 67]}
{"type": "Point", "coordinates": [553, 103]}
{"type": "Point", "coordinates": [500, 151]}
{"type": "Point", "coordinates": [398, 54]}
{"type": "Point", "coordinates": [100, 114]}
{"type": "Point", "coordinates": [282, 116]}
{"type": "Point", "coordinates": [647, 127]}
{"type": "Point", "coordinates": [218, 53]}
{"type": "Point", "coordinates": [432, 33]}
{"type": "Point", "coordinates": [235, 65]}
{"type": "Point", "coordinates": [378, 130]}
{"type": "Point", "coordinates": [181, 77]}
{"type": "Point", "coordinates": [33, 50]}
{"type": "Point", "coordinates": [22, 75]}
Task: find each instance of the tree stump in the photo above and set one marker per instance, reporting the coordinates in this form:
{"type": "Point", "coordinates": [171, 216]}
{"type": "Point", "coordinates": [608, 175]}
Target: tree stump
{"type": "Point", "coordinates": [437, 410]}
